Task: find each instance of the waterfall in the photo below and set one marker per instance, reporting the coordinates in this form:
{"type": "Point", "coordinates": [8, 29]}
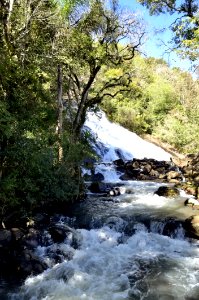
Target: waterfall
{"type": "Point", "coordinates": [114, 141]}
{"type": "Point", "coordinates": [130, 247]}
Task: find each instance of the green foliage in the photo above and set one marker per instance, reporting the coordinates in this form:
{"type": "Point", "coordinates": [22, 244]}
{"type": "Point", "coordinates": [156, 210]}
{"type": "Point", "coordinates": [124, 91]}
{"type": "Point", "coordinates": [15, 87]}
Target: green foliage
{"type": "Point", "coordinates": [162, 102]}
{"type": "Point", "coordinates": [180, 131]}
{"type": "Point", "coordinates": [68, 6]}
{"type": "Point", "coordinates": [30, 172]}
{"type": "Point", "coordinates": [34, 176]}
{"type": "Point", "coordinates": [186, 26]}
{"type": "Point", "coordinates": [187, 37]}
{"type": "Point", "coordinates": [161, 98]}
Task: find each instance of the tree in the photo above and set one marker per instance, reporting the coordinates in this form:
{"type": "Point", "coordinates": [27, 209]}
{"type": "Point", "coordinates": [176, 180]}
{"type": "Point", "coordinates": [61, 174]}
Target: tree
{"type": "Point", "coordinates": [30, 171]}
{"type": "Point", "coordinates": [100, 38]}
{"type": "Point", "coordinates": [185, 27]}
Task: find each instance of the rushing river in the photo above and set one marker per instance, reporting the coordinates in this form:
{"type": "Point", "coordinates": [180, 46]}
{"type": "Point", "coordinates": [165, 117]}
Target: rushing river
{"type": "Point", "coordinates": [130, 246]}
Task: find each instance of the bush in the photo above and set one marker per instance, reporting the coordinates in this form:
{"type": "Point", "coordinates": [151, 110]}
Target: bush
{"type": "Point", "coordinates": [33, 176]}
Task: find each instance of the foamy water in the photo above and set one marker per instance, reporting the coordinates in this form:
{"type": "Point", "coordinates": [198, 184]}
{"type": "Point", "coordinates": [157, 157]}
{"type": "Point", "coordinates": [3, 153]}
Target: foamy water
{"type": "Point", "coordinates": [115, 137]}
{"type": "Point", "coordinates": [126, 250]}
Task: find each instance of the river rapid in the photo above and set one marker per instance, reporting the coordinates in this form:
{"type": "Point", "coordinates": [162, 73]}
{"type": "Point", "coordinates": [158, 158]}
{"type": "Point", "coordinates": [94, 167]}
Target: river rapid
{"type": "Point", "coordinates": [130, 246]}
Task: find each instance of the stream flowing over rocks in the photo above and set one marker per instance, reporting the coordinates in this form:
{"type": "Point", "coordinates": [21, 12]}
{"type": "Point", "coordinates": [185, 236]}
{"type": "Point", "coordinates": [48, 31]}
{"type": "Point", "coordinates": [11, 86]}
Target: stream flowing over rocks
{"type": "Point", "coordinates": [133, 237]}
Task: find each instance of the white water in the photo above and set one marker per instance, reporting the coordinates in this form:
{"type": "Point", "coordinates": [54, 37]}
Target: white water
{"type": "Point", "coordinates": [146, 266]}
{"type": "Point", "coordinates": [123, 254]}
{"type": "Point", "coordinates": [115, 137]}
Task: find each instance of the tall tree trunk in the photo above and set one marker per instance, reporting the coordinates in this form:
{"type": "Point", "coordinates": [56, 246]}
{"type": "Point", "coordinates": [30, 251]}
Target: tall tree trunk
{"type": "Point", "coordinates": [60, 111]}
{"type": "Point", "coordinates": [81, 112]}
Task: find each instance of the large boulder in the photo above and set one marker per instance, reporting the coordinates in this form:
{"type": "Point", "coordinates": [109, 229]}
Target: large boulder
{"type": "Point", "coordinates": [99, 187]}
{"type": "Point", "coordinates": [191, 226]}
{"type": "Point", "coordinates": [174, 176]}
{"type": "Point", "coordinates": [119, 162]}
{"type": "Point", "coordinates": [17, 257]}
{"type": "Point", "coordinates": [97, 177]}
{"type": "Point", "coordinates": [119, 165]}
{"type": "Point", "coordinates": [29, 263]}
{"type": "Point", "coordinates": [191, 202]}
{"type": "Point", "coordinates": [167, 191]}
{"type": "Point", "coordinates": [60, 232]}
{"type": "Point", "coordinates": [94, 177]}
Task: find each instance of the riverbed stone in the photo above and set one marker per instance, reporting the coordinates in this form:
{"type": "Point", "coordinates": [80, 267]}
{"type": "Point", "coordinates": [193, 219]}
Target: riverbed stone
{"type": "Point", "coordinates": [99, 187]}
{"type": "Point", "coordinates": [97, 177]}
{"type": "Point", "coordinates": [191, 202]}
{"type": "Point", "coordinates": [174, 175]}
{"type": "Point", "coordinates": [5, 237]}
{"type": "Point", "coordinates": [118, 162]}
{"type": "Point", "coordinates": [58, 233]}
{"type": "Point", "coordinates": [191, 226]}
{"type": "Point", "coordinates": [119, 165]}
{"type": "Point", "coordinates": [17, 233]}
{"type": "Point", "coordinates": [191, 169]}
{"type": "Point", "coordinates": [167, 191]}
{"type": "Point", "coordinates": [151, 169]}
{"type": "Point", "coordinates": [28, 263]}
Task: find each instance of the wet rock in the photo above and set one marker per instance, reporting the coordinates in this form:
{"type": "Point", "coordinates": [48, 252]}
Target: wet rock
{"type": "Point", "coordinates": [41, 219]}
{"type": "Point", "coordinates": [131, 172]}
{"type": "Point", "coordinates": [58, 233]}
{"type": "Point", "coordinates": [5, 237]}
{"type": "Point", "coordinates": [119, 190]}
{"type": "Point", "coordinates": [172, 227]}
{"type": "Point", "coordinates": [191, 169]}
{"type": "Point", "coordinates": [16, 258]}
{"type": "Point", "coordinates": [191, 202]}
{"type": "Point", "coordinates": [162, 177]}
{"type": "Point", "coordinates": [28, 263]}
{"type": "Point", "coordinates": [99, 187]}
{"type": "Point", "coordinates": [146, 168]}
{"type": "Point", "coordinates": [97, 177]}
{"type": "Point", "coordinates": [166, 191]}
{"type": "Point", "coordinates": [191, 226]}
{"type": "Point", "coordinates": [174, 175]}
{"type": "Point", "coordinates": [125, 177]}
{"type": "Point", "coordinates": [144, 177]}
{"type": "Point", "coordinates": [115, 191]}
{"type": "Point", "coordinates": [32, 239]}
{"type": "Point", "coordinates": [17, 234]}
{"type": "Point", "coordinates": [119, 162]}
{"type": "Point", "coordinates": [151, 169]}
{"type": "Point", "coordinates": [154, 173]}
{"type": "Point", "coordinates": [116, 223]}
{"type": "Point", "coordinates": [188, 187]}
{"type": "Point", "coordinates": [59, 255]}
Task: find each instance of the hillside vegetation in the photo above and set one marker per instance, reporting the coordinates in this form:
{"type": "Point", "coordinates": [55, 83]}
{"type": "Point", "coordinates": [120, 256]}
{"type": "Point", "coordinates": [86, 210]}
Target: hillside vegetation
{"type": "Point", "coordinates": [161, 101]}
{"type": "Point", "coordinates": [60, 59]}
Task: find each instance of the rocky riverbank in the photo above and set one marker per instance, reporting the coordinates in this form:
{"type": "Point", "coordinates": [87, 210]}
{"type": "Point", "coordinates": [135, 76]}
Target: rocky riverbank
{"type": "Point", "coordinates": [179, 174]}
{"type": "Point", "coordinates": [21, 236]}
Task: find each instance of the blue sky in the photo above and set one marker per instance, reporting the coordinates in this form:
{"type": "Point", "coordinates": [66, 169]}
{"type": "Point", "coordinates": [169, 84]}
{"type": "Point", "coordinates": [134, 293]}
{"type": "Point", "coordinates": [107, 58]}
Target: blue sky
{"type": "Point", "coordinates": [154, 46]}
